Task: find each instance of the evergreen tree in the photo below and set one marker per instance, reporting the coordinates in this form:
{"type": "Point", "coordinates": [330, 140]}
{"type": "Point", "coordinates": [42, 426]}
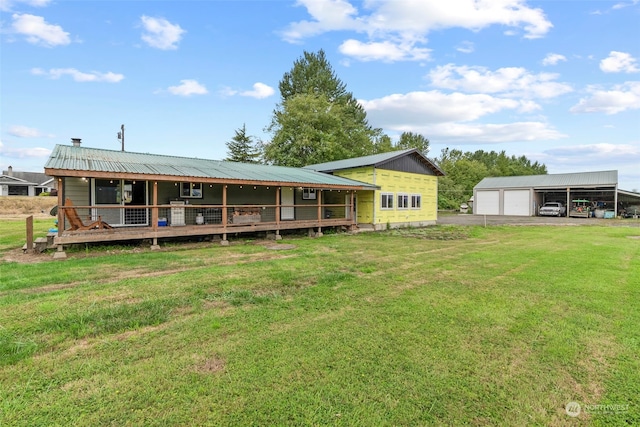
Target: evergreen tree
{"type": "Point", "coordinates": [317, 119]}
{"type": "Point", "coordinates": [242, 148]}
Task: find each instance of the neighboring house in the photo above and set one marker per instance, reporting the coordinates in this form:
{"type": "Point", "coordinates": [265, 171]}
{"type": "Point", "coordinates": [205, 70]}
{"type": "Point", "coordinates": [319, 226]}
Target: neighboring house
{"type": "Point", "coordinates": [523, 195]}
{"type": "Point", "coordinates": [407, 193]}
{"type": "Point", "coordinates": [148, 196]}
{"type": "Point", "coordinates": [13, 183]}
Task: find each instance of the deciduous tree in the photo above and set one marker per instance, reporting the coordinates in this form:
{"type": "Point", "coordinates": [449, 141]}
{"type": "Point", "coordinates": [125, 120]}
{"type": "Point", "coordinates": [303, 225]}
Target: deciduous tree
{"type": "Point", "coordinates": [317, 119]}
{"type": "Point", "coordinates": [413, 140]}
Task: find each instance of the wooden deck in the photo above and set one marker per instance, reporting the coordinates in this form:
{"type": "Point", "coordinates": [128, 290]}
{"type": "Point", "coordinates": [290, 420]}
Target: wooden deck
{"type": "Point", "coordinates": [68, 237]}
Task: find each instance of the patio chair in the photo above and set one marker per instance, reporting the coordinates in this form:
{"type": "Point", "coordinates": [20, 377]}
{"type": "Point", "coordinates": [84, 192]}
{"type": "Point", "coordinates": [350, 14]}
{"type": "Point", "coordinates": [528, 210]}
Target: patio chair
{"type": "Point", "coordinates": [77, 224]}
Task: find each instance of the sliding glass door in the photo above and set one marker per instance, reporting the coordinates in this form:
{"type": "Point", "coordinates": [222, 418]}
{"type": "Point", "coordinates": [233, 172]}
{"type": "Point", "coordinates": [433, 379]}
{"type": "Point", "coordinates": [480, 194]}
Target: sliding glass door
{"type": "Point", "coordinates": [124, 193]}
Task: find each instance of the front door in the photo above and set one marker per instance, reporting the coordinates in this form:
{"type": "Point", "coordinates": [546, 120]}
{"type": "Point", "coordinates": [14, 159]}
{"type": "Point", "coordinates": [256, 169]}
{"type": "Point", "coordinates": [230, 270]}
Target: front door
{"type": "Point", "coordinates": [287, 198]}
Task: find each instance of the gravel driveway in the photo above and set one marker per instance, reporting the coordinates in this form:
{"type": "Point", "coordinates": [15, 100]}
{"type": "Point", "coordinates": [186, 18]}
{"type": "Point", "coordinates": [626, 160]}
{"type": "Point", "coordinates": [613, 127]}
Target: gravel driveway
{"type": "Point", "coordinates": [468, 219]}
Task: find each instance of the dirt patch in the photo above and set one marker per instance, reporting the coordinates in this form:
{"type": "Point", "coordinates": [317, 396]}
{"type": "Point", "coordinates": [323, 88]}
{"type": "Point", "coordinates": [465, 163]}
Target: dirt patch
{"type": "Point", "coordinates": [211, 366]}
{"type": "Point", "coordinates": [282, 247]}
{"type": "Point", "coordinates": [128, 334]}
{"type": "Point", "coordinates": [17, 255]}
{"type": "Point", "coordinates": [50, 288]}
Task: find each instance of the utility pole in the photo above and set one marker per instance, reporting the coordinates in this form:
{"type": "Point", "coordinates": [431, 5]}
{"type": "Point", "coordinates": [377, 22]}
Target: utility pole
{"type": "Point", "coordinates": [121, 136]}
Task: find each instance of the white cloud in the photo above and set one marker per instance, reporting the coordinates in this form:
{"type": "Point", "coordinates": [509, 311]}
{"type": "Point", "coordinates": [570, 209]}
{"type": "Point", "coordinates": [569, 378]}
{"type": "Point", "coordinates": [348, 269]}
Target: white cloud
{"type": "Point", "coordinates": [23, 152]}
{"type": "Point", "coordinates": [553, 59]}
{"type": "Point", "coordinates": [619, 62]}
{"type": "Point", "coordinates": [329, 15]}
{"type": "Point", "coordinates": [603, 156]}
{"type": "Point", "coordinates": [260, 91]}
{"type": "Point", "coordinates": [79, 76]}
{"type": "Point", "coordinates": [465, 47]}
{"type": "Point", "coordinates": [187, 88]}
{"type": "Point", "coordinates": [453, 117]}
{"type": "Point", "coordinates": [38, 31]}
{"type": "Point", "coordinates": [8, 5]}
{"type": "Point", "coordinates": [620, 98]}
{"type": "Point", "coordinates": [436, 107]}
{"type": "Point", "coordinates": [383, 51]}
{"type": "Point", "coordinates": [160, 33]}
{"type": "Point", "coordinates": [25, 132]}
{"type": "Point", "coordinates": [493, 133]}
{"type": "Point", "coordinates": [226, 91]}
{"type": "Point", "coordinates": [622, 5]}
{"type": "Point", "coordinates": [510, 81]}
{"type": "Point", "coordinates": [606, 150]}
{"type": "Point", "coordinates": [406, 23]}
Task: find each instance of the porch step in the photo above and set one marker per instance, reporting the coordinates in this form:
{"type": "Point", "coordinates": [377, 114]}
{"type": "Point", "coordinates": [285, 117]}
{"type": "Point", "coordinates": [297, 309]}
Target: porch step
{"type": "Point", "coordinates": [41, 244]}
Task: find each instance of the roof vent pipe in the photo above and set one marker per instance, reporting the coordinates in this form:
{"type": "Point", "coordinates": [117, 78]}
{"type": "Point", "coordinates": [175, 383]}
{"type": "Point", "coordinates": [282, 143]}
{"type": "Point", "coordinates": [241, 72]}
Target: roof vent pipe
{"type": "Point", "coordinates": [76, 141]}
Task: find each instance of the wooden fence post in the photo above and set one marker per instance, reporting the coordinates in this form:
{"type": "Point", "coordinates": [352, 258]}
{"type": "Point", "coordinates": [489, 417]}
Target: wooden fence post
{"type": "Point", "coordinates": [30, 233]}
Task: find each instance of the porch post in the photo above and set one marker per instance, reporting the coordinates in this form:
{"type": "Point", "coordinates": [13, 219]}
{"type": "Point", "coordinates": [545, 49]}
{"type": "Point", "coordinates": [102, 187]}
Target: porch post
{"type": "Point", "coordinates": [278, 213]}
{"type": "Point", "coordinates": [154, 210]}
{"type": "Point", "coordinates": [224, 241]}
{"type": "Point", "coordinates": [319, 193]}
{"type": "Point", "coordinates": [154, 215]}
{"type": "Point", "coordinates": [60, 253]}
{"type": "Point", "coordinates": [60, 210]}
{"type": "Point", "coordinates": [352, 210]}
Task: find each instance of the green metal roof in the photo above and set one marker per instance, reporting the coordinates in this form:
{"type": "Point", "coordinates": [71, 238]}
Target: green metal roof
{"type": "Point", "coordinates": [560, 180]}
{"type": "Point", "coordinates": [373, 160]}
{"type": "Point", "coordinates": [72, 158]}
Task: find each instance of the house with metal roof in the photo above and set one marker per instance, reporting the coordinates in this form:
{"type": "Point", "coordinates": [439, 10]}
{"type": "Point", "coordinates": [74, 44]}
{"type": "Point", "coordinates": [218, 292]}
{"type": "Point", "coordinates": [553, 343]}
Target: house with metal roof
{"type": "Point", "coordinates": [150, 196]}
{"type": "Point", "coordinates": [406, 193]}
{"type": "Point", "coordinates": [524, 195]}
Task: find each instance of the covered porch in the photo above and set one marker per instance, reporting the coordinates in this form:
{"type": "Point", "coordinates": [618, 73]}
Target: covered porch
{"type": "Point", "coordinates": [182, 218]}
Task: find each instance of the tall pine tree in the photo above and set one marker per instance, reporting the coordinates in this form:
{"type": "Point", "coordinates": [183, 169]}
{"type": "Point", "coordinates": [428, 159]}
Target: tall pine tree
{"type": "Point", "coordinates": [242, 148]}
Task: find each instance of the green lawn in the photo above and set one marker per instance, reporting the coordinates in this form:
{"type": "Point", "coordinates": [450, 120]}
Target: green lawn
{"type": "Point", "coordinates": [444, 326]}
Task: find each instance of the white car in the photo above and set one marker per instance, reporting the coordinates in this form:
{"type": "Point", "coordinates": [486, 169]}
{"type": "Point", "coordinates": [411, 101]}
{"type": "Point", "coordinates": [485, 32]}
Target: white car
{"type": "Point", "coordinates": [552, 209]}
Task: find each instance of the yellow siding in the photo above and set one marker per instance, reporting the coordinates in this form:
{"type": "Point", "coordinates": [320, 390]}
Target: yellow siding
{"type": "Point", "coordinates": [395, 182]}
{"type": "Point", "coordinates": [364, 199]}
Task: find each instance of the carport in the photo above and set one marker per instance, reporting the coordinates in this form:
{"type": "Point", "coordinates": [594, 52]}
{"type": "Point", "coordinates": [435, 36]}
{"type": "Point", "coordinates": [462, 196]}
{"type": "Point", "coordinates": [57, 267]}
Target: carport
{"type": "Point", "coordinates": [523, 195]}
{"type": "Point", "coordinates": [629, 204]}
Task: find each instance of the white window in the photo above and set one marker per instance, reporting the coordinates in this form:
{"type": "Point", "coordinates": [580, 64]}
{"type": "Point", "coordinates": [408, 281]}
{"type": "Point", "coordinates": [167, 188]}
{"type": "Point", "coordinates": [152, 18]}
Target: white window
{"type": "Point", "coordinates": [386, 201]}
{"type": "Point", "coordinates": [403, 201]}
{"type": "Point", "coordinates": [416, 201]}
{"type": "Point", "coordinates": [309, 193]}
{"type": "Point", "coordinates": [191, 190]}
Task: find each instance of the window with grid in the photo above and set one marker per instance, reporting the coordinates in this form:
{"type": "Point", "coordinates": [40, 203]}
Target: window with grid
{"type": "Point", "coordinates": [386, 201]}
{"type": "Point", "coordinates": [416, 201]}
{"type": "Point", "coordinates": [403, 201]}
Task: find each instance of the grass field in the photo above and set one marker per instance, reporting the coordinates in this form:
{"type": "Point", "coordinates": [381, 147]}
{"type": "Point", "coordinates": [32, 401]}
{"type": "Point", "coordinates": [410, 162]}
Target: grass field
{"type": "Point", "coordinates": [443, 325]}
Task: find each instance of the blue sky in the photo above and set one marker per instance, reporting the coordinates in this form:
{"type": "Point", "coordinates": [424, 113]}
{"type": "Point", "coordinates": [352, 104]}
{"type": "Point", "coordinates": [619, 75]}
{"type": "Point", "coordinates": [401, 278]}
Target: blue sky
{"type": "Point", "coordinates": [557, 81]}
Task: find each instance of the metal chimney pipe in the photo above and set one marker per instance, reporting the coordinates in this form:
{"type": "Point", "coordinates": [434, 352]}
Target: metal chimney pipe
{"type": "Point", "coordinates": [76, 141]}
{"type": "Point", "coordinates": [10, 171]}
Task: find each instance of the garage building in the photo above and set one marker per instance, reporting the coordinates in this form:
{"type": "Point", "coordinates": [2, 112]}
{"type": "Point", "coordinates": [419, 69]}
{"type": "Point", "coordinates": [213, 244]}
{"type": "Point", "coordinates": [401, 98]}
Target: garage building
{"type": "Point", "coordinates": [523, 195]}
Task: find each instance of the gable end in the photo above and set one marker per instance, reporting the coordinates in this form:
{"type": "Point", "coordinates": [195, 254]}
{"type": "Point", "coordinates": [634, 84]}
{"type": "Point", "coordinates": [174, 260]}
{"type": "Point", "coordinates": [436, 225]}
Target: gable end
{"type": "Point", "coordinates": [411, 163]}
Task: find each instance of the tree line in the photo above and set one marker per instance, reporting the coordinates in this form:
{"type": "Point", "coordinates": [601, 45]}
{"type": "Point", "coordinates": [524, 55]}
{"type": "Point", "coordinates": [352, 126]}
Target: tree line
{"type": "Point", "coordinates": [317, 120]}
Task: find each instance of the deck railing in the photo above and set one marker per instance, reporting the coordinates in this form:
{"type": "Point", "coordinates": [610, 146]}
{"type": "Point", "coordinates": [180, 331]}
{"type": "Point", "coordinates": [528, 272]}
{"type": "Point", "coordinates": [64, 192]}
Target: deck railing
{"type": "Point", "coordinates": [229, 216]}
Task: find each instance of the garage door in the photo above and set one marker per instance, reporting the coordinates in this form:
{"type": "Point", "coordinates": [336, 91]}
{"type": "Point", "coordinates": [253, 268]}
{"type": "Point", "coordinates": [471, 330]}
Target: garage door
{"type": "Point", "coordinates": [487, 203]}
{"type": "Point", "coordinates": [516, 202]}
